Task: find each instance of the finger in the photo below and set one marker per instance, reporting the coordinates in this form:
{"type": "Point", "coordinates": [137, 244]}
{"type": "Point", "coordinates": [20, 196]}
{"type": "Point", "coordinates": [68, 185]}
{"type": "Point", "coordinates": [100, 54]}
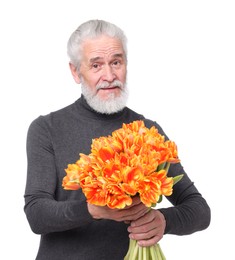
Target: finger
{"type": "Point", "coordinates": [135, 201]}
{"type": "Point", "coordinates": [134, 213]}
{"type": "Point", "coordinates": [150, 242]}
{"type": "Point", "coordinates": [144, 234]}
{"type": "Point", "coordinates": [148, 217]}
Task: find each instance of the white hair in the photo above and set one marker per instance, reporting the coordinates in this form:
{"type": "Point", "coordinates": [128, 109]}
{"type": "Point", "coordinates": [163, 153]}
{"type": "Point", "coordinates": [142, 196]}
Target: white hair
{"type": "Point", "coordinates": [90, 30]}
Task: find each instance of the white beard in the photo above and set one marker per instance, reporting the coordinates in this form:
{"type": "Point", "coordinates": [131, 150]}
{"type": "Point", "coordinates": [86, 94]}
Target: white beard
{"type": "Point", "coordinates": [109, 106]}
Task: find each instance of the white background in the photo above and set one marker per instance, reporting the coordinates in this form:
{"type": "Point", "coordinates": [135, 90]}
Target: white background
{"type": "Point", "coordinates": [181, 73]}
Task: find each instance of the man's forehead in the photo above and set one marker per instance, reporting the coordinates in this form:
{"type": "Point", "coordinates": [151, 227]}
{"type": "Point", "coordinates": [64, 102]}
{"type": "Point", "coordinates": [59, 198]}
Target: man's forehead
{"type": "Point", "coordinates": [102, 44]}
{"type": "Point", "coordinates": [101, 48]}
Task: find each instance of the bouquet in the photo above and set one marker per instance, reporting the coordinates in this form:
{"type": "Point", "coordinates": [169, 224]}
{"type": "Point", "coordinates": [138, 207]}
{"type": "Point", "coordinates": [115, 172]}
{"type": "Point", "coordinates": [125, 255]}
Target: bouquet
{"type": "Point", "coordinates": [133, 160]}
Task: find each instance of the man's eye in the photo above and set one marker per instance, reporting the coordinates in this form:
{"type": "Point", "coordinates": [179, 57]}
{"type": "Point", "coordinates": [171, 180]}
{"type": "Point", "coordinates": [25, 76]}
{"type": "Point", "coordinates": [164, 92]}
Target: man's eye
{"type": "Point", "coordinates": [116, 63]}
{"type": "Point", "coordinates": [96, 67]}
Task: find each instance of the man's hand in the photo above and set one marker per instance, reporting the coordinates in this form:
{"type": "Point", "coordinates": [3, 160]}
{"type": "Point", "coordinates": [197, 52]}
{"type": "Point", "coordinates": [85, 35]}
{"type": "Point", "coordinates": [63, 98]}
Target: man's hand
{"type": "Point", "coordinates": [128, 214]}
{"type": "Point", "coordinates": [148, 229]}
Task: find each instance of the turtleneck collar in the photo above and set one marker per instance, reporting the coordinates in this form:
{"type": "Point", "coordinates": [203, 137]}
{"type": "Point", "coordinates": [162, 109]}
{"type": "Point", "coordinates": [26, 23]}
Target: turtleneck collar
{"type": "Point", "coordinates": [89, 112]}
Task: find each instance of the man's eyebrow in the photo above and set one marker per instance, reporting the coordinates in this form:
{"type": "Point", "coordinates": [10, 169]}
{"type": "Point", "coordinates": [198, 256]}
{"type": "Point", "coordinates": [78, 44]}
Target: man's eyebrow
{"type": "Point", "coordinates": [92, 60]}
{"type": "Point", "coordinates": [116, 55]}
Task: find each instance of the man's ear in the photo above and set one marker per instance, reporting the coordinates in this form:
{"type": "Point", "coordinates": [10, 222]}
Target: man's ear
{"type": "Point", "coordinates": [74, 72]}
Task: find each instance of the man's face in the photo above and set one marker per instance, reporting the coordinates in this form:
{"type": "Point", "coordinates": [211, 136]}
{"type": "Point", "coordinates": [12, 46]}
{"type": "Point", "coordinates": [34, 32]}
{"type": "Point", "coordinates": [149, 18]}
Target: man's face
{"type": "Point", "coordinates": [102, 74]}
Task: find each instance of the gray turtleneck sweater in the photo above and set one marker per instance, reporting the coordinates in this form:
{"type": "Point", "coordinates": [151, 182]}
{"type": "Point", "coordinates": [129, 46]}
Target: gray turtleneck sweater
{"type": "Point", "coordinates": [61, 217]}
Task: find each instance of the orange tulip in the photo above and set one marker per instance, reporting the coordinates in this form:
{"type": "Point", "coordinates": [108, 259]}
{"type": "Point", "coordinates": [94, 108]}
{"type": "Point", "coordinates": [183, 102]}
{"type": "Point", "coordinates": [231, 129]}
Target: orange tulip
{"type": "Point", "coordinates": [122, 165]}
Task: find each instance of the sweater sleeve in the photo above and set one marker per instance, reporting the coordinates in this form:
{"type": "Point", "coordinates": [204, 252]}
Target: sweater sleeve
{"type": "Point", "coordinates": [190, 211]}
{"type": "Point", "coordinates": [44, 212]}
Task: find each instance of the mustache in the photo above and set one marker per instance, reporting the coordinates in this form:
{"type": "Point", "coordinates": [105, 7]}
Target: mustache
{"type": "Point", "coordinates": [105, 84]}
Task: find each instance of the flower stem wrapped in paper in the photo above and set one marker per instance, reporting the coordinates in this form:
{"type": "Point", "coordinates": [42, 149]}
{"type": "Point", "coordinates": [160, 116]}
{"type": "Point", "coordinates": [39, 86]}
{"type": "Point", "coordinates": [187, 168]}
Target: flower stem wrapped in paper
{"type": "Point", "coordinates": [134, 160]}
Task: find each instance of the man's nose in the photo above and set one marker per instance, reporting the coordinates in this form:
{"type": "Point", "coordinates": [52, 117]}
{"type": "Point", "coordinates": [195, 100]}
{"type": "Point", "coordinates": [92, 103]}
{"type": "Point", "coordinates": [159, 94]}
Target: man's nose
{"type": "Point", "coordinates": [108, 73]}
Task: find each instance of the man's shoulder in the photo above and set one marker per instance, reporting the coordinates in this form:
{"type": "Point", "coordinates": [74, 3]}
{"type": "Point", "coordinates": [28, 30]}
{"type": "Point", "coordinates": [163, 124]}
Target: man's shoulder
{"type": "Point", "coordinates": [54, 117]}
{"type": "Point", "coordinates": [64, 111]}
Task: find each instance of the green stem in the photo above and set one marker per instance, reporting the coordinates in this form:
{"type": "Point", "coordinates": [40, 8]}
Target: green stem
{"type": "Point", "coordinates": [130, 250]}
{"type": "Point", "coordinates": [135, 252]}
{"type": "Point", "coordinates": [145, 253]}
{"type": "Point", "coordinates": [162, 255]}
{"type": "Point", "coordinates": [167, 167]}
{"type": "Point", "coordinates": [153, 254]}
{"type": "Point", "coordinates": [158, 252]}
{"type": "Point", "coordinates": [140, 252]}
